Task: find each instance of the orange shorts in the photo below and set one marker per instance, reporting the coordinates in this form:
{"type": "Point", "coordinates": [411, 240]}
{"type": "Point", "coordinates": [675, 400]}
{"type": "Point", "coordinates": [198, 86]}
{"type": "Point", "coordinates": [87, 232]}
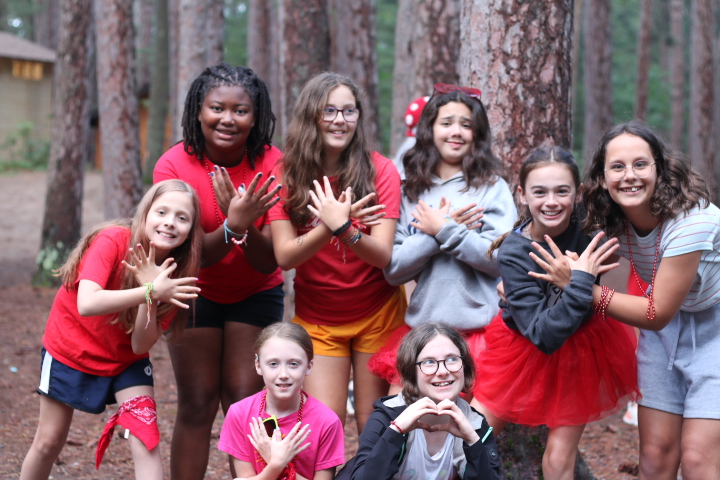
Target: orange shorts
{"type": "Point", "coordinates": [366, 335]}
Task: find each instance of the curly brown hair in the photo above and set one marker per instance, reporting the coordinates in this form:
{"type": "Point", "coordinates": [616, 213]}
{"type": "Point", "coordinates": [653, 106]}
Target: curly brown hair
{"type": "Point", "coordinates": [678, 187]}
{"type": "Point", "coordinates": [420, 162]}
{"type": "Point", "coordinates": [302, 153]}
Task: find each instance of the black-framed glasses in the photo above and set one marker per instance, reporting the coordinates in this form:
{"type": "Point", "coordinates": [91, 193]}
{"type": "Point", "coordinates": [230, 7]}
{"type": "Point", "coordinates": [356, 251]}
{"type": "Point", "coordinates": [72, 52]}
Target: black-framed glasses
{"type": "Point", "coordinates": [430, 366]}
{"type": "Point", "coordinates": [350, 115]}
{"type": "Point", "coordinates": [270, 424]}
{"type": "Point", "coordinates": [616, 171]}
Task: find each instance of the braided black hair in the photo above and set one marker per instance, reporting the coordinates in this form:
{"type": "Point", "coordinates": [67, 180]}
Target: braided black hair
{"type": "Point", "coordinates": [225, 75]}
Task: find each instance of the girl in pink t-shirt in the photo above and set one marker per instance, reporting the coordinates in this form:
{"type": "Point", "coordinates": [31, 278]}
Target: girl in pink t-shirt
{"type": "Point", "coordinates": [104, 320]}
{"type": "Point", "coordinates": [341, 296]}
{"type": "Point", "coordinates": [282, 432]}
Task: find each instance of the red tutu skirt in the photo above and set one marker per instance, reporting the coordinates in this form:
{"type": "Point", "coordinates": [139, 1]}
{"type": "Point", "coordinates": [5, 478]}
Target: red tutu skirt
{"type": "Point", "coordinates": [591, 376]}
{"type": "Point", "coordinates": [383, 363]}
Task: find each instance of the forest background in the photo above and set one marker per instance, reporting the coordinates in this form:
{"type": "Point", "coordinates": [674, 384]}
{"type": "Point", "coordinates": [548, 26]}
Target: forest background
{"type": "Point", "coordinates": [551, 71]}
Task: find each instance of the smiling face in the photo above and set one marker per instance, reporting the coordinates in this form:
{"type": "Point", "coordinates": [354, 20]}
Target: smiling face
{"type": "Point", "coordinates": [337, 134]}
{"type": "Point", "coordinates": [550, 194]}
{"type": "Point", "coordinates": [443, 384]}
{"type": "Point", "coordinates": [169, 222]}
{"type": "Point", "coordinates": [283, 364]}
{"type": "Point", "coordinates": [632, 193]}
{"type": "Point", "coordinates": [453, 136]}
{"type": "Point", "coordinates": [226, 118]}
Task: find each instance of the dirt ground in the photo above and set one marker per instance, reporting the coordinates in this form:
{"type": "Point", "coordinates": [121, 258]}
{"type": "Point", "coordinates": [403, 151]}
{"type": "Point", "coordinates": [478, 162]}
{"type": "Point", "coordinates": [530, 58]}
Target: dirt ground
{"type": "Point", "coordinates": [608, 445]}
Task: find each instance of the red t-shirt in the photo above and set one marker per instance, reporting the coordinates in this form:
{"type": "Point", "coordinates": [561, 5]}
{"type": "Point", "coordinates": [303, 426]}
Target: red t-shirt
{"type": "Point", "coordinates": [336, 286]}
{"type": "Point", "coordinates": [92, 344]}
{"type": "Point", "coordinates": [232, 279]}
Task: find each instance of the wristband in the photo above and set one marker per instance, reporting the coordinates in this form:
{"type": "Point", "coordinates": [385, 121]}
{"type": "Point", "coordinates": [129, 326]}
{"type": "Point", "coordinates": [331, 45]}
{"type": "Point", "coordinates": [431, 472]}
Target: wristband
{"type": "Point", "coordinates": [237, 239]}
{"type": "Point", "coordinates": [392, 422]}
{"type": "Point", "coordinates": [342, 229]}
{"type": "Point", "coordinates": [149, 289]}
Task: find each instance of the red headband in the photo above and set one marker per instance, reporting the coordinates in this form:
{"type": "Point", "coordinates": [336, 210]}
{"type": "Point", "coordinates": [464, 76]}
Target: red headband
{"type": "Point", "coordinates": [450, 88]}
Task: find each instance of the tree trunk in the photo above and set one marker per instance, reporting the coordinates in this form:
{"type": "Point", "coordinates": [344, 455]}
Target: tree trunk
{"type": "Point", "coordinates": [677, 72]}
{"type": "Point", "coordinates": [45, 22]}
{"type": "Point", "coordinates": [354, 53]}
{"type": "Point", "coordinates": [519, 54]}
{"type": "Point", "coordinates": [215, 33]}
{"type": "Point", "coordinates": [264, 50]}
{"type": "Point", "coordinates": [643, 64]}
{"type": "Point", "coordinates": [304, 48]}
{"type": "Point", "coordinates": [701, 145]}
{"type": "Point", "coordinates": [159, 98]}
{"type": "Point", "coordinates": [427, 47]}
{"type": "Point", "coordinates": [143, 43]}
{"type": "Point", "coordinates": [174, 40]}
{"type": "Point", "coordinates": [597, 77]}
{"type": "Point", "coordinates": [63, 201]}
{"type": "Point", "coordinates": [119, 137]}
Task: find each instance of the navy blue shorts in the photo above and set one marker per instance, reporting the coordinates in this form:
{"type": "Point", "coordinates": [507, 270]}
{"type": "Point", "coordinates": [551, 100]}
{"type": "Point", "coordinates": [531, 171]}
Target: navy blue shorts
{"type": "Point", "coordinates": [86, 392]}
{"type": "Point", "coordinates": [260, 310]}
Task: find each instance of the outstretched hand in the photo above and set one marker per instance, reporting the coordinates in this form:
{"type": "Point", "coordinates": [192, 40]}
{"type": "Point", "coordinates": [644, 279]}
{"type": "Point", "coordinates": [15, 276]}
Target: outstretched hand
{"type": "Point", "coordinates": [174, 290]}
{"type": "Point", "coordinates": [558, 267]}
{"type": "Point", "coordinates": [259, 438]}
{"type": "Point", "coordinates": [247, 206]}
{"type": "Point", "coordinates": [430, 220]}
{"type": "Point", "coordinates": [333, 212]}
{"type": "Point", "coordinates": [224, 189]}
{"type": "Point", "coordinates": [469, 215]}
{"type": "Point", "coordinates": [283, 450]}
{"type": "Point", "coordinates": [409, 419]}
{"type": "Point", "coordinates": [143, 264]}
{"type": "Point", "coordinates": [459, 426]}
{"type": "Point", "coordinates": [365, 216]}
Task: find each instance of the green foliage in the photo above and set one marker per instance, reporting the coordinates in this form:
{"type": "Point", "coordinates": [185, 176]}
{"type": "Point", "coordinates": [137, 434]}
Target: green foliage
{"type": "Point", "coordinates": [49, 260]}
{"type": "Point", "coordinates": [20, 150]}
{"type": "Point", "coordinates": [236, 18]}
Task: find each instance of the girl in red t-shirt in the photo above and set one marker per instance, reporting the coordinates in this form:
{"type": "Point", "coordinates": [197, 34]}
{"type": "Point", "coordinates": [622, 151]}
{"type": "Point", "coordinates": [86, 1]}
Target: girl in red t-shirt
{"type": "Point", "coordinates": [338, 247]}
{"type": "Point", "coordinates": [105, 318]}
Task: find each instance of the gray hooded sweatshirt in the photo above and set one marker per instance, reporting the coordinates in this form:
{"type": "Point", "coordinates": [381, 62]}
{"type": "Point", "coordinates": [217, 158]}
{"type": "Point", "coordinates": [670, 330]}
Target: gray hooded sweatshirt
{"type": "Point", "coordinates": [456, 282]}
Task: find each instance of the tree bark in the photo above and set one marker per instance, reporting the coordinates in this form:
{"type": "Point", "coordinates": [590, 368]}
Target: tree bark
{"type": "Point", "coordinates": [354, 53]}
{"type": "Point", "coordinates": [701, 144]}
{"type": "Point", "coordinates": [45, 23]}
{"type": "Point", "coordinates": [264, 50]}
{"type": "Point", "coordinates": [119, 136]}
{"type": "Point", "coordinates": [63, 201]}
{"type": "Point", "coordinates": [159, 86]}
{"type": "Point", "coordinates": [215, 33]}
{"type": "Point", "coordinates": [304, 48]}
{"type": "Point", "coordinates": [597, 79]}
{"type": "Point", "coordinates": [677, 72]}
{"type": "Point", "coordinates": [519, 54]}
{"type": "Point", "coordinates": [643, 64]}
{"type": "Point", "coordinates": [427, 48]}
{"type": "Point", "coordinates": [174, 40]}
{"type": "Point", "coordinates": [143, 12]}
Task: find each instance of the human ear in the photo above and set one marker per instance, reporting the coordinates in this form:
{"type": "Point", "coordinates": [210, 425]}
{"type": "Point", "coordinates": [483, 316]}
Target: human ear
{"type": "Point", "coordinates": [522, 195]}
{"type": "Point", "coordinates": [578, 196]}
{"type": "Point", "coordinates": [309, 368]}
{"type": "Point", "coordinates": [257, 365]}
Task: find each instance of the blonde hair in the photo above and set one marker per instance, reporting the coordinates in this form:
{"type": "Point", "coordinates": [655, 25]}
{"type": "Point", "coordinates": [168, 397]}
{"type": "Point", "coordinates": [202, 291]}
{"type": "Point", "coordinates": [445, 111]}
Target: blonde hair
{"type": "Point", "coordinates": [286, 331]}
{"type": "Point", "coordinates": [187, 255]}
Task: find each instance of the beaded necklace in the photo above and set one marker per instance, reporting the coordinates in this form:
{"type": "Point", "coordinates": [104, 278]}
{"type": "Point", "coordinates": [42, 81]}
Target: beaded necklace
{"type": "Point", "coordinates": [651, 303]}
{"type": "Point", "coordinates": [244, 163]}
{"type": "Point", "coordinates": [290, 472]}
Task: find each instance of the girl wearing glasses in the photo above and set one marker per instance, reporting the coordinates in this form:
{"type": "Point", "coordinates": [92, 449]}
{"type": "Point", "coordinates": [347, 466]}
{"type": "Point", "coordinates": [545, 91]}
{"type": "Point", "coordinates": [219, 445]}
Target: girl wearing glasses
{"type": "Point", "coordinates": [641, 192]}
{"type": "Point", "coordinates": [550, 359]}
{"type": "Point", "coordinates": [454, 206]}
{"type": "Point", "coordinates": [328, 228]}
{"type": "Point", "coordinates": [282, 432]}
{"type": "Point", "coordinates": [428, 431]}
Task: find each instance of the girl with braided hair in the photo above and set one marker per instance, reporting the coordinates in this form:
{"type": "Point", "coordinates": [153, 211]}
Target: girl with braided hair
{"type": "Point", "coordinates": [227, 156]}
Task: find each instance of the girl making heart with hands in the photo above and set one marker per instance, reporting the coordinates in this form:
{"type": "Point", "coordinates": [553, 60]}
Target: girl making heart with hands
{"type": "Point", "coordinates": [428, 430]}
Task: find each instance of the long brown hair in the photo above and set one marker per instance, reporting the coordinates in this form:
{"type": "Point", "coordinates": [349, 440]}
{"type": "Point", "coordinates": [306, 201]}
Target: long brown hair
{"type": "Point", "coordinates": [539, 157]}
{"type": "Point", "coordinates": [420, 162]}
{"type": "Point", "coordinates": [187, 255]}
{"type": "Point", "coordinates": [413, 344]}
{"type": "Point", "coordinates": [302, 158]}
{"type": "Point", "coordinates": [678, 187]}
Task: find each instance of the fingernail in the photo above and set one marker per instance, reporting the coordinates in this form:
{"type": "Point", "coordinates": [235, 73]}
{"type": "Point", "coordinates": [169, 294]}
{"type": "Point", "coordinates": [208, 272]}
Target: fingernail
{"type": "Point", "coordinates": [212, 174]}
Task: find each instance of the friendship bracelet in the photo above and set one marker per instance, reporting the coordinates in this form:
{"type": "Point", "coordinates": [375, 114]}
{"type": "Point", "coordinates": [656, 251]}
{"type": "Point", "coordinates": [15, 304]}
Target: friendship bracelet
{"type": "Point", "coordinates": [237, 238]}
{"type": "Point", "coordinates": [355, 238]}
{"type": "Point", "coordinates": [342, 229]}
{"type": "Point", "coordinates": [392, 422]}
{"type": "Point", "coordinates": [149, 289]}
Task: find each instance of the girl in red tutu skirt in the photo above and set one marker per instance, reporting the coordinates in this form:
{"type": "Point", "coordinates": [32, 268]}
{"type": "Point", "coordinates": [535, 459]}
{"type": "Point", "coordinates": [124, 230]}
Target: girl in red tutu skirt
{"type": "Point", "coordinates": [550, 358]}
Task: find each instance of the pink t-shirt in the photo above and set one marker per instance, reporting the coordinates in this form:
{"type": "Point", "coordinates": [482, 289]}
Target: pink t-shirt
{"type": "Point", "coordinates": [327, 440]}
{"type": "Point", "coordinates": [335, 286]}
{"type": "Point", "coordinates": [232, 279]}
{"type": "Point", "coordinates": [92, 344]}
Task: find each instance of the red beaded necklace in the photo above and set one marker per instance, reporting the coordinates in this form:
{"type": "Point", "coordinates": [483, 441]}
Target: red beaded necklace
{"type": "Point", "coordinates": [290, 472]}
{"type": "Point", "coordinates": [244, 162]}
{"type": "Point", "coordinates": [651, 303]}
